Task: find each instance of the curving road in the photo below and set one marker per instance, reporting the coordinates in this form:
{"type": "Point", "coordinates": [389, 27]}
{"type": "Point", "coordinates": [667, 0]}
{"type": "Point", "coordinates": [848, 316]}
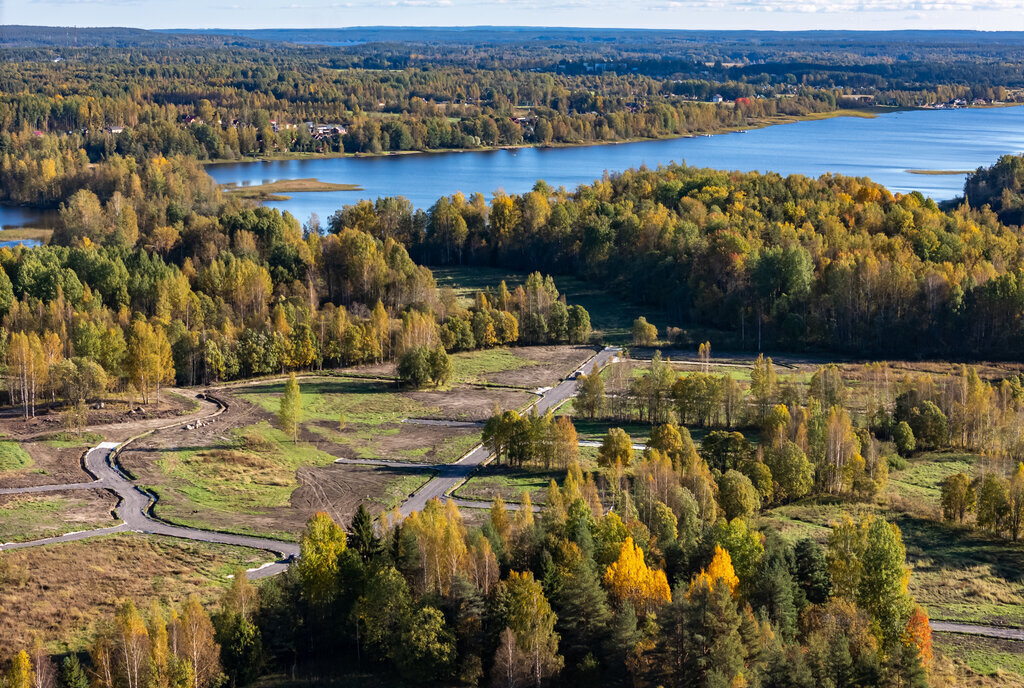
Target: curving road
{"type": "Point", "coordinates": [135, 506]}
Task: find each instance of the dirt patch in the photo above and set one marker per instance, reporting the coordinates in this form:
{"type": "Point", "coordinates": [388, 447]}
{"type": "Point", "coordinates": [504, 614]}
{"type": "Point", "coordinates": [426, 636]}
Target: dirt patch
{"type": "Point", "coordinates": [114, 412]}
{"type": "Point", "coordinates": [337, 489]}
{"type": "Point", "coordinates": [430, 444]}
{"type": "Point", "coordinates": [37, 515]}
{"type": "Point", "coordinates": [62, 590]}
{"type": "Point", "coordinates": [50, 466]}
{"type": "Point", "coordinates": [550, 365]}
{"type": "Point", "coordinates": [465, 402]}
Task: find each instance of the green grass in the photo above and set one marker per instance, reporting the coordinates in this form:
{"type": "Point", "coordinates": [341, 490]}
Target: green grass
{"type": "Point", "coordinates": [365, 402]}
{"type": "Point", "coordinates": [13, 457]}
{"type": "Point", "coordinates": [34, 516]}
{"type": "Point", "coordinates": [256, 471]}
{"type": "Point", "coordinates": [987, 656]}
{"type": "Point", "coordinates": [510, 483]}
{"type": "Point", "coordinates": [474, 366]}
{"type": "Point", "coordinates": [924, 473]}
{"type": "Point", "coordinates": [66, 440]}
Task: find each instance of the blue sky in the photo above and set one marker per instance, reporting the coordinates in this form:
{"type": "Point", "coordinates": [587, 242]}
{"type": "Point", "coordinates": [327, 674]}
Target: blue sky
{"type": "Point", "coordinates": [667, 14]}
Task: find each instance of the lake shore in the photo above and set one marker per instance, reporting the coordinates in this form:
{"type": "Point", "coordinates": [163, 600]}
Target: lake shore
{"type": "Point", "coordinates": [759, 123]}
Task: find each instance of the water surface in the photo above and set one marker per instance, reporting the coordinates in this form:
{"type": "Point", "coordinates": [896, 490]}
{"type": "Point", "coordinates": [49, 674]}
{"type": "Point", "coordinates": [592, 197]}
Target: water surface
{"type": "Point", "coordinates": [883, 148]}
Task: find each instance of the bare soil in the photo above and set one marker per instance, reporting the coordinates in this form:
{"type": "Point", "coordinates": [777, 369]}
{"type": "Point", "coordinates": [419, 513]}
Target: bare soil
{"type": "Point", "coordinates": [466, 402]}
{"type": "Point", "coordinates": [62, 590]}
{"type": "Point", "coordinates": [40, 515]}
{"type": "Point", "coordinates": [115, 412]}
{"type": "Point", "coordinates": [552, 365]}
{"type": "Point", "coordinates": [51, 466]}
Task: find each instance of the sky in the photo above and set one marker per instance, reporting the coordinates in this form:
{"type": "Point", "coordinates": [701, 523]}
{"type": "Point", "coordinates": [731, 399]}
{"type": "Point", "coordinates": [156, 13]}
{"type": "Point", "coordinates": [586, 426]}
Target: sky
{"type": "Point", "coordinates": [663, 14]}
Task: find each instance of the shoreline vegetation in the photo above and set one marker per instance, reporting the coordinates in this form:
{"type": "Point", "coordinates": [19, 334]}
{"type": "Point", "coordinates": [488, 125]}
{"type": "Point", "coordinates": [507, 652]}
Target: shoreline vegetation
{"type": "Point", "coordinates": [759, 123]}
{"type": "Point", "coordinates": [940, 172]}
{"type": "Point", "coordinates": [275, 190]}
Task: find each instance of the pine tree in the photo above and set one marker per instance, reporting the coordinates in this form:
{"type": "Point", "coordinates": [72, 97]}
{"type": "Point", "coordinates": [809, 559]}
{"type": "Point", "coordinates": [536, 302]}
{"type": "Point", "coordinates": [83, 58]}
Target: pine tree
{"type": "Point", "coordinates": [364, 539]}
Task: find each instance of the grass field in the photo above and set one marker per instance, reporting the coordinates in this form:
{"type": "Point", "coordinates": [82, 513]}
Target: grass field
{"type": "Point", "coordinates": [1000, 659]}
{"type": "Point", "coordinates": [365, 402]}
{"type": "Point", "coordinates": [257, 471]}
{"type": "Point", "coordinates": [62, 590]}
{"type": "Point", "coordinates": [33, 516]}
{"type": "Point", "coordinates": [475, 366]}
{"type": "Point", "coordinates": [13, 457]}
{"type": "Point", "coordinates": [491, 481]}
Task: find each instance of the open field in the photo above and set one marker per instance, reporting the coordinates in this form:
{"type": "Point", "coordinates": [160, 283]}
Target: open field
{"type": "Point", "coordinates": [46, 514]}
{"type": "Point", "coordinates": [526, 367]}
{"type": "Point", "coordinates": [44, 592]}
{"type": "Point", "coordinates": [1001, 662]}
{"type": "Point", "coordinates": [49, 462]}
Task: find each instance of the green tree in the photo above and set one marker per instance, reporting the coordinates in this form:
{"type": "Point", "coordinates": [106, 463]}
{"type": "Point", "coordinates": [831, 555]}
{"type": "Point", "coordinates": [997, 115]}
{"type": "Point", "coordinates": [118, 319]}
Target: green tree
{"type": "Point", "coordinates": [425, 650]}
{"type": "Point", "coordinates": [957, 497]}
{"type": "Point", "coordinates": [520, 605]}
{"type": "Point", "coordinates": [993, 503]}
{"type": "Point", "coordinates": [882, 589]}
{"type": "Point", "coordinates": [812, 572]}
{"type": "Point", "coordinates": [1015, 501]}
{"type": "Point", "coordinates": [321, 547]}
{"type": "Point", "coordinates": [289, 415]}
{"type": "Point", "coordinates": [72, 675]}
{"type": "Point", "coordinates": [737, 495]}
{"type": "Point", "coordinates": [903, 436]}
{"type": "Point", "coordinates": [364, 538]}
{"type": "Point", "coordinates": [589, 394]}
{"type": "Point", "coordinates": [616, 448]}
{"type": "Point", "coordinates": [792, 472]}
{"type": "Point", "coordinates": [644, 333]}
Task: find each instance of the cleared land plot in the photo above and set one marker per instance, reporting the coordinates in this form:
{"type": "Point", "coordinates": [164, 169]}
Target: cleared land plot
{"type": "Point", "coordinates": [46, 514]}
{"type": "Point", "coordinates": [116, 420]}
{"type": "Point", "coordinates": [252, 479]}
{"type": "Point", "coordinates": [62, 590]}
{"type": "Point", "coordinates": [1000, 660]}
{"type": "Point", "coordinates": [527, 367]}
{"type": "Point", "coordinates": [53, 462]}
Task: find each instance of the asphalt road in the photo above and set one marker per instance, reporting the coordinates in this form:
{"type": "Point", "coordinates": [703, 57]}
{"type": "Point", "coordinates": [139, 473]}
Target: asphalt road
{"type": "Point", "coordinates": [450, 476]}
{"type": "Point", "coordinates": [135, 505]}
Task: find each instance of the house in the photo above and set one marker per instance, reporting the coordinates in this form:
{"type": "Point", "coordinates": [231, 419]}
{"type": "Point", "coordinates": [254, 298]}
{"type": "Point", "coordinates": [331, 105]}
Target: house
{"type": "Point", "coordinates": [717, 98]}
{"type": "Point", "coordinates": [115, 130]}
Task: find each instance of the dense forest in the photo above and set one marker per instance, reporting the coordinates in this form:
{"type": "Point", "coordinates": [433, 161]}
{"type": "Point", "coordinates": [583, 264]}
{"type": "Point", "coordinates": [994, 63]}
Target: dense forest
{"type": "Point", "coordinates": [70, 100]}
{"type": "Point", "coordinates": [652, 570]}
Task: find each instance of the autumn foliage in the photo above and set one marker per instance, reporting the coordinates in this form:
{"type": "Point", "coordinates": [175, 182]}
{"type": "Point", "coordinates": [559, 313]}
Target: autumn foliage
{"type": "Point", "coordinates": [629, 579]}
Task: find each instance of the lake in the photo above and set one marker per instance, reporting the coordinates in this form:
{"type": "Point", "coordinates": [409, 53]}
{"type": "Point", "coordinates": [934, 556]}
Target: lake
{"type": "Point", "coordinates": [883, 148]}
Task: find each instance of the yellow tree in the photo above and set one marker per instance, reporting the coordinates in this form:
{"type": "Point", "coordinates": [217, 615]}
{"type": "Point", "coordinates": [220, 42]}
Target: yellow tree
{"type": "Point", "coordinates": [149, 358]}
{"type": "Point", "coordinates": [21, 674]}
{"type": "Point", "coordinates": [629, 579]}
{"type": "Point", "coordinates": [320, 547]}
{"type": "Point", "coordinates": [198, 647]}
{"type": "Point", "coordinates": [718, 572]}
